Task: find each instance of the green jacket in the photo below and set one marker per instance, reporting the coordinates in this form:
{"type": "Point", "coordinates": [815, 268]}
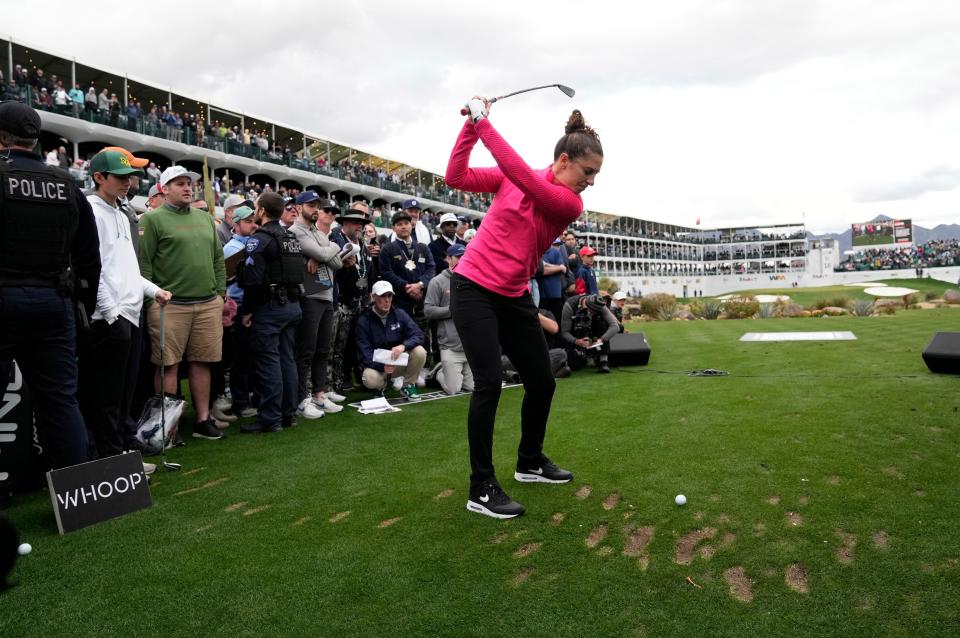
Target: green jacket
{"type": "Point", "coordinates": [180, 252]}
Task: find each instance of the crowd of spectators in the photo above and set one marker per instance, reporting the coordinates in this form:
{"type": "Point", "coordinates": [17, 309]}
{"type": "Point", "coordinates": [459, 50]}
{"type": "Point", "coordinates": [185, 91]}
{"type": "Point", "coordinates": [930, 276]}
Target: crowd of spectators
{"type": "Point", "coordinates": [102, 105]}
{"type": "Point", "coordinates": [930, 254]}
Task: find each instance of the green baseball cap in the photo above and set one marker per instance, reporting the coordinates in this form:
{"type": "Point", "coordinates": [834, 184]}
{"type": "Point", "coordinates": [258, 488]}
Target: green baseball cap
{"type": "Point", "coordinates": [242, 213]}
{"type": "Point", "coordinates": [113, 162]}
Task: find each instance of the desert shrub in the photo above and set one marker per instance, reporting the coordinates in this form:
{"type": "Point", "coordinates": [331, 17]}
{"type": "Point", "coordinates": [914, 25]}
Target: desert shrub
{"type": "Point", "coordinates": [741, 307]}
{"type": "Point", "coordinates": [608, 284]}
{"type": "Point", "coordinates": [862, 307]}
{"type": "Point", "coordinates": [837, 301]}
{"type": "Point", "coordinates": [706, 309]}
{"type": "Point", "coordinates": [766, 311]}
{"type": "Point", "coordinates": [930, 295]}
{"type": "Point", "coordinates": [914, 299]}
{"type": "Point", "coordinates": [886, 308]}
{"type": "Point", "coordinates": [667, 313]}
{"type": "Point", "coordinates": [651, 304]}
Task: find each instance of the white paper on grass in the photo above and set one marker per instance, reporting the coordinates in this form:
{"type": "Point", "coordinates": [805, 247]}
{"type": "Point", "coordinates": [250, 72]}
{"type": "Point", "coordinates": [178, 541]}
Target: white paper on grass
{"type": "Point", "coordinates": [379, 405]}
{"type": "Point", "coordinates": [799, 336]}
{"type": "Point", "coordinates": [385, 357]}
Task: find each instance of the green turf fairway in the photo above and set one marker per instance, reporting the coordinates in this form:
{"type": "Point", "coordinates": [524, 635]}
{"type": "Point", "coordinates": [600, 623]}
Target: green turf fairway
{"type": "Point", "coordinates": [839, 458]}
{"type": "Point", "coordinates": [808, 296]}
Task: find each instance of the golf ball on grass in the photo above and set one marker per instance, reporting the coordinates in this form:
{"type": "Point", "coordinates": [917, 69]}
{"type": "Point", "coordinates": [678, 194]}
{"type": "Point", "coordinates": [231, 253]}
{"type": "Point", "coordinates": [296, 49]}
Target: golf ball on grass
{"type": "Point", "coordinates": [25, 549]}
{"type": "Point", "coordinates": [680, 499]}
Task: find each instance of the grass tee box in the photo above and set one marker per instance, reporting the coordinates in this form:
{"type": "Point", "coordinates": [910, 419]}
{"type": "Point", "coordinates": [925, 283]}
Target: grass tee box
{"type": "Point", "coordinates": [821, 490]}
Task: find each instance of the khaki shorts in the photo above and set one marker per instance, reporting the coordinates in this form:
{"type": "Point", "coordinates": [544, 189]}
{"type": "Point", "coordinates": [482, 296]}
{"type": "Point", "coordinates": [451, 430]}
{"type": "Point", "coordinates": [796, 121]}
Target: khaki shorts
{"type": "Point", "coordinates": [193, 332]}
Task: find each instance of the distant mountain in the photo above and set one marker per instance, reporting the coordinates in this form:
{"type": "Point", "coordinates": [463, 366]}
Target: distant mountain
{"type": "Point", "coordinates": [920, 234]}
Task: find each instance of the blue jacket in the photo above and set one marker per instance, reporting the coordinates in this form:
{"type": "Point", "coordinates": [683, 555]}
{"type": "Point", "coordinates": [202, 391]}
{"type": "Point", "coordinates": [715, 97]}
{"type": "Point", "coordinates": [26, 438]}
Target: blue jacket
{"type": "Point", "coordinates": [393, 268]}
{"type": "Point", "coordinates": [373, 333]}
{"type": "Point", "coordinates": [587, 281]}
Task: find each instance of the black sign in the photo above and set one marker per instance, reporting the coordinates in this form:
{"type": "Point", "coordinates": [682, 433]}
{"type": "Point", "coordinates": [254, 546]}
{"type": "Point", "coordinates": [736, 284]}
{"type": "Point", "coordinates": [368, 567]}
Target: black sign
{"type": "Point", "coordinates": [89, 493]}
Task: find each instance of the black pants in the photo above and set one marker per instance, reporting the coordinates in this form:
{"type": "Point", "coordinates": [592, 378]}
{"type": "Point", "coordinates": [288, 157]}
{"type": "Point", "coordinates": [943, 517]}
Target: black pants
{"type": "Point", "coordinates": [106, 386]}
{"type": "Point", "coordinates": [313, 345]}
{"type": "Point", "coordinates": [488, 323]}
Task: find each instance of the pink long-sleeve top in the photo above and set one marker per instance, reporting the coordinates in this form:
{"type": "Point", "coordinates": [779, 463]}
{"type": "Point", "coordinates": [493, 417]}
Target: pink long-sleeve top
{"type": "Point", "coordinates": [529, 211]}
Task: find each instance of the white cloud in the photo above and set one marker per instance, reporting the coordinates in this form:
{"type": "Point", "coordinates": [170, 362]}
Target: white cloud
{"type": "Point", "coordinates": [739, 112]}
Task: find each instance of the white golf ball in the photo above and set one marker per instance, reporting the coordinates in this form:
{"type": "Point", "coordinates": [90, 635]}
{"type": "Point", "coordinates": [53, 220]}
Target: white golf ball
{"type": "Point", "coordinates": [25, 549]}
{"type": "Point", "coordinates": [680, 499]}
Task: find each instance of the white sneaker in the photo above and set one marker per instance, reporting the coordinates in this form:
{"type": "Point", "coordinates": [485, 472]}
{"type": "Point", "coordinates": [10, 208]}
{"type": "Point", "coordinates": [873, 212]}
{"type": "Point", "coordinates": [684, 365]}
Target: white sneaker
{"type": "Point", "coordinates": [248, 412]}
{"type": "Point", "coordinates": [223, 403]}
{"type": "Point", "coordinates": [422, 379]}
{"type": "Point", "coordinates": [149, 468]}
{"type": "Point", "coordinates": [327, 405]}
{"type": "Point", "coordinates": [334, 396]}
{"type": "Point", "coordinates": [397, 383]}
{"type": "Point", "coordinates": [220, 415]}
{"type": "Point", "coordinates": [309, 410]}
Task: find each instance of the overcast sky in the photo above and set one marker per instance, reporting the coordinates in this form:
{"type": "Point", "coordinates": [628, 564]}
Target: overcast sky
{"type": "Point", "coordinates": [739, 112]}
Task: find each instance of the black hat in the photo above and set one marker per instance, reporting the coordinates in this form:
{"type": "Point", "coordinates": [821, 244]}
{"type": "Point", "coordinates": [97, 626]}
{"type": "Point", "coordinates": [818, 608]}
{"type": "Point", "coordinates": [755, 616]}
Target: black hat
{"type": "Point", "coordinates": [356, 213]}
{"type": "Point", "coordinates": [400, 216]}
{"type": "Point", "coordinates": [594, 303]}
{"type": "Point", "coordinates": [20, 120]}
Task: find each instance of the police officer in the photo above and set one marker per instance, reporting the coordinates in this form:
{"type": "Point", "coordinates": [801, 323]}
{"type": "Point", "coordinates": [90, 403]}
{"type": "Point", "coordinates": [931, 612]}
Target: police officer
{"type": "Point", "coordinates": [49, 254]}
{"type": "Point", "coordinates": [272, 280]}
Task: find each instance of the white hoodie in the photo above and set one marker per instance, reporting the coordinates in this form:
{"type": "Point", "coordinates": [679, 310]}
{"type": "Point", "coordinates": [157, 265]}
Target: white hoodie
{"type": "Point", "coordinates": [121, 289]}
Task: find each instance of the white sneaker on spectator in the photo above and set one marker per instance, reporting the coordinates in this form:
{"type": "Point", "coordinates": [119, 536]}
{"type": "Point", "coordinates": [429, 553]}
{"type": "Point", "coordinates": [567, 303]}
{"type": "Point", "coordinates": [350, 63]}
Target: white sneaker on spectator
{"type": "Point", "coordinates": [221, 425]}
{"type": "Point", "coordinates": [422, 379]}
{"type": "Point", "coordinates": [248, 412]}
{"type": "Point", "coordinates": [397, 383]}
{"type": "Point", "coordinates": [220, 415]}
{"type": "Point", "coordinates": [327, 405]}
{"type": "Point", "coordinates": [222, 403]}
{"type": "Point", "coordinates": [149, 468]}
{"type": "Point", "coordinates": [335, 396]}
{"type": "Point", "coordinates": [309, 410]}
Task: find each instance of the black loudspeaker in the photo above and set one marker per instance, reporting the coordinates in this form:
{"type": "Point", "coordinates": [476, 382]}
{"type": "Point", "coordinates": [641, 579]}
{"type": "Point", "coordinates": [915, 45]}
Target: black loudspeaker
{"type": "Point", "coordinates": [943, 353]}
{"type": "Point", "coordinates": [629, 349]}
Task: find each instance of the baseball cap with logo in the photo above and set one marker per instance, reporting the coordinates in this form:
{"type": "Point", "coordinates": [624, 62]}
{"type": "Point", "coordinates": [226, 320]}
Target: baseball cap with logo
{"type": "Point", "coordinates": [136, 162]}
{"type": "Point", "coordinates": [173, 172]}
{"type": "Point", "coordinates": [113, 162]}
{"type": "Point", "coordinates": [307, 196]}
{"type": "Point", "coordinates": [617, 296]}
{"type": "Point", "coordinates": [242, 213]}
{"type": "Point", "coordinates": [411, 203]}
{"type": "Point", "coordinates": [382, 288]}
{"type": "Point", "coordinates": [587, 251]}
{"type": "Point", "coordinates": [456, 250]}
{"type": "Point", "coordinates": [448, 218]}
{"type": "Point", "coordinates": [20, 120]}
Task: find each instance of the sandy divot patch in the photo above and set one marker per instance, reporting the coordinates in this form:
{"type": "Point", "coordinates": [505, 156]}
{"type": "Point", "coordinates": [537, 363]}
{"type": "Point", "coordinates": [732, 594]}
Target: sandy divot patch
{"type": "Point", "coordinates": [687, 544]}
{"type": "Point", "coordinates": [741, 587]}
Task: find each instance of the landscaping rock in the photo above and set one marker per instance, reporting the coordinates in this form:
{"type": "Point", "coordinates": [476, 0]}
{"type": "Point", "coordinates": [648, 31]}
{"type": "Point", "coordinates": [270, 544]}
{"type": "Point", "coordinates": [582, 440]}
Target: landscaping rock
{"type": "Point", "coordinates": [834, 311]}
{"type": "Point", "coordinates": [952, 296]}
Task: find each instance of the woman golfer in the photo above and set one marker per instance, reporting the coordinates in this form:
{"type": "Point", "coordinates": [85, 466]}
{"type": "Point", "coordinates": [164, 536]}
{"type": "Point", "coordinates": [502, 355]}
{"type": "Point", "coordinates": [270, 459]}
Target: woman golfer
{"type": "Point", "coordinates": [490, 300]}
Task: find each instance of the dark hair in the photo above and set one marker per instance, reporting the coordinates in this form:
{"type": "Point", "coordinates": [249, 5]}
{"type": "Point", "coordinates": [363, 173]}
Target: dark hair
{"type": "Point", "coordinates": [272, 205]}
{"type": "Point", "coordinates": [579, 139]}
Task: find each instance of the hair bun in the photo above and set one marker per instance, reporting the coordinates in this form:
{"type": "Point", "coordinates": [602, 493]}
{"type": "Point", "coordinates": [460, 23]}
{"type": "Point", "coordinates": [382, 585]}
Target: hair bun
{"type": "Point", "coordinates": [575, 123]}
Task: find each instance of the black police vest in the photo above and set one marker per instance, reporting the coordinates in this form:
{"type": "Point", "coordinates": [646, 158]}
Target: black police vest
{"type": "Point", "coordinates": [288, 269]}
{"type": "Point", "coordinates": [38, 221]}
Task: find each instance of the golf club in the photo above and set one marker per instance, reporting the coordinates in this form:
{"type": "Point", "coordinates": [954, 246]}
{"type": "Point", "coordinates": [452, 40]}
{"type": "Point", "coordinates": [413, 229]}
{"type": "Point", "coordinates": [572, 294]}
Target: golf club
{"type": "Point", "coordinates": [566, 90]}
{"type": "Point", "coordinates": [167, 465]}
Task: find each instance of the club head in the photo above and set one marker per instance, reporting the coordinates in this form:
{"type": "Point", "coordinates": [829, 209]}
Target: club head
{"type": "Point", "coordinates": [567, 90]}
{"type": "Point", "coordinates": [171, 467]}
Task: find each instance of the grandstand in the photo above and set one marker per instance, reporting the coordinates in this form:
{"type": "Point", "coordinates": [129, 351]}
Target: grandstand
{"type": "Point", "coordinates": [245, 150]}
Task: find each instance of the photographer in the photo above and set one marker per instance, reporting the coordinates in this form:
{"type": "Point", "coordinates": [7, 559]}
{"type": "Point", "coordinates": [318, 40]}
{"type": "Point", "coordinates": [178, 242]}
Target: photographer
{"type": "Point", "coordinates": [586, 328]}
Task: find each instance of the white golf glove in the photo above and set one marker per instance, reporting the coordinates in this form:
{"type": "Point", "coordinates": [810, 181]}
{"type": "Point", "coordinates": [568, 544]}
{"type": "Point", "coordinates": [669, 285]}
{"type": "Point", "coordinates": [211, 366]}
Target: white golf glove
{"type": "Point", "coordinates": [476, 108]}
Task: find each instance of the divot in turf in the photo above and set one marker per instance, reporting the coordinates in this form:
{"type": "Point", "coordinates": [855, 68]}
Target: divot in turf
{"type": "Point", "coordinates": [596, 536]}
{"type": "Point", "coordinates": [389, 522]}
{"type": "Point", "coordinates": [234, 507]}
{"type": "Point", "coordinates": [583, 492]}
{"type": "Point", "coordinates": [687, 544]}
{"type": "Point", "coordinates": [256, 510]}
{"type": "Point", "coordinates": [336, 518]}
{"type": "Point", "coordinates": [611, 501]}
{"type": "Point", "coordinates": [521, 576]}
{"type": "Point", "coordinates": [848, 542]}
{"type": "Point", "coordinates": [795, 576]}
{"type": "Point", "coordinates": [527, 549]}
{"type": "Point", "coordinates": [741, 587]}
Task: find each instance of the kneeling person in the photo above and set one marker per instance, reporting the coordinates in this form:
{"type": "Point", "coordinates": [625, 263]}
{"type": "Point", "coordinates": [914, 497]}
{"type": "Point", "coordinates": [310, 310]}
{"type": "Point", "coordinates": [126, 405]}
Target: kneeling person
{"type": "Point", "coordinates": [586, 328]}
{"type": "Point", "coordinates": [455, 374]}
{"type": "Point", "coordinates": [381, 326]}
